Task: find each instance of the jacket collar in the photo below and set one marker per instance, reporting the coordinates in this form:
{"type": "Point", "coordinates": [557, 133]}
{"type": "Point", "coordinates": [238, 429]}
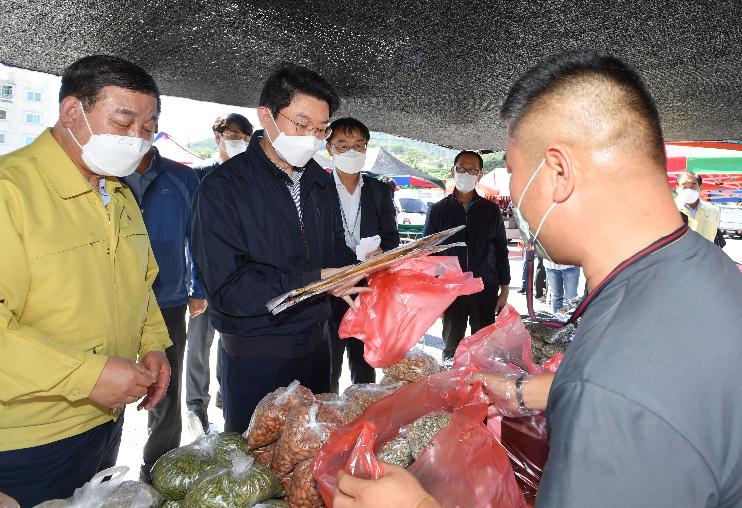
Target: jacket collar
{"type": "Point", "coordinates": [455, 196]}
{"type": "Point", "coordinates": [313, 173]}
{"type": "Point", "coordinates": [59, 169]}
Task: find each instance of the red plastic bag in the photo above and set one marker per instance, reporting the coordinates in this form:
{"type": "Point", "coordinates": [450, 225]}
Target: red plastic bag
{"type": "Point", "coordinates": [527, 445]}
{"type": "Point", "coordinates": [503, 347]}
{"type": "Point", "coordinates": [464, 466]}
{"type": "Point", "coordinates": [405, 302]}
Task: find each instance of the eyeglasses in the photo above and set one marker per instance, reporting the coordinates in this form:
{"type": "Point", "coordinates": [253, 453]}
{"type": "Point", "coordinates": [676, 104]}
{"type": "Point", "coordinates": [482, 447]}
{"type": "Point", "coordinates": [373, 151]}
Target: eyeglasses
{"type": "Point", "coordinates": [471, 171]}
{"type": "Point", "coordinates": [358, 147]}
{"type": "Point", "coordinates": [321, 132]}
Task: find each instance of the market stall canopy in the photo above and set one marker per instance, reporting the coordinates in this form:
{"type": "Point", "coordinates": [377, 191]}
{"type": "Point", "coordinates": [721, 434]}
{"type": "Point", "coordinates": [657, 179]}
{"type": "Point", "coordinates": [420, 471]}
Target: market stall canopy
{"type": "Point", "coordinates": [719, 163]}
{"type": "Point", "coordinates": [436, 71]}
{"type": "Point", "coordinates": [173, 150]}
{"type": "Point", "coordinates": [381, 162]}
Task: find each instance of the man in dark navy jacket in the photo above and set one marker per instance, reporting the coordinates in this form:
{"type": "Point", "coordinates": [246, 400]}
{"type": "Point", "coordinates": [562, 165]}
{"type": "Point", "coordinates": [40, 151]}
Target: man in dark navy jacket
{"type": "Point", "coordinates": [165, 190]}
{"type": "Point", "coordinates": [266, 222]}
{"type": "Point", "coordinates": [366, 210]}
{"type": "Point", "coordinates": [485, 254]}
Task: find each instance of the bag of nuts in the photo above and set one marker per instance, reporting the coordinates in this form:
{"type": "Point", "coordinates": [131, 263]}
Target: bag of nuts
{"type": "Point", "coordinates": [420, 433]}
{"type": "Point", "coordinates": [303, 435]}
{"type": "Point", "coordinates": [270, 414]}
{"type": "Point", "coordinates": [397, 451]}
{"type": "Point", "coordinates": [416, 365]}
{"type": "Point", "coordinates": [366, 394]}
{"type": "Point", "coordinates": [264, 454]}
{"type": "Point", "coordinates": [303, 491]}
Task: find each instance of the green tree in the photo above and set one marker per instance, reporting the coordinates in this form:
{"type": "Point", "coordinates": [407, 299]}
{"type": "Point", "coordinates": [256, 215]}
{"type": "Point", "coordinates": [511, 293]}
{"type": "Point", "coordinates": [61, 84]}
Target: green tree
{"type": "Point", "coordinates": [202, 152]}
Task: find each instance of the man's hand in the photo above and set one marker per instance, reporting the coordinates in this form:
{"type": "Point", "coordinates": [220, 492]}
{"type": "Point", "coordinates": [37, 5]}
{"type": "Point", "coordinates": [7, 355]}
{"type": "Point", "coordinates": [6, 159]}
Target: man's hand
{"type": "Point", "coordinates": [197, 306]}
{"type": "Point", "coordinates": [500, 390]}
{"type": "Point", "coordinates": [374, 253]}
{"type": "Point", "coordinates": [156, 363]}
{"type": "Point", "coordinates": [396, 488]}
{"type": "Point", "coordinates": [348, 288]}
{"type": "Point", "coordinates": [121, 382]}
{"type": "Point", "coordinates": [502, 299]}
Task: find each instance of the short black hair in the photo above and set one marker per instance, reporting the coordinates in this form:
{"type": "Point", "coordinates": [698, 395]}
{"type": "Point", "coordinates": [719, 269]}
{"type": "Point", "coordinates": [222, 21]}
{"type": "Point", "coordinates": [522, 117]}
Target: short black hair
{"type": "Point", "coordinates": [86, 77]}
{"type": "Point", "coordinates": [469, 152]}
{"type": "Point", "coordinates": [699, 179]}
{"type": "Point", "coordinates": [562, 71]}
{"type": "Point", "coordinates": [287, 80]}
{"type": "Point", "coordinates": [349, 126]}
{"type": "Point", "coordinates": [224, 121]}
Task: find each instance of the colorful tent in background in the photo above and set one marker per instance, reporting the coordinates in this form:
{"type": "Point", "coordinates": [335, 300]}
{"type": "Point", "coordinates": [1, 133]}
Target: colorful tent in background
{"type": "Point", "coordinates": [173, 150]}
{"type": "Point", "coordinates": [413, 181]}
{"type": "Point", "coordinates": [720, 165]}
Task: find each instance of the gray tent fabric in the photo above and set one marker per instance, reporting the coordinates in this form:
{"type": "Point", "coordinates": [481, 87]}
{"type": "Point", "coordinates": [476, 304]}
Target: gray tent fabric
{"type": "Point", "coordinates": [388, 164]}
{"type": "Point", "coordinates": [436, 71]}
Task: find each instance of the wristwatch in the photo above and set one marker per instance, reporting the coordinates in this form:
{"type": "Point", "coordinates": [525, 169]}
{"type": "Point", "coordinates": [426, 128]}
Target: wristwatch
{"type": "Point", "coordinates": [519, 392]}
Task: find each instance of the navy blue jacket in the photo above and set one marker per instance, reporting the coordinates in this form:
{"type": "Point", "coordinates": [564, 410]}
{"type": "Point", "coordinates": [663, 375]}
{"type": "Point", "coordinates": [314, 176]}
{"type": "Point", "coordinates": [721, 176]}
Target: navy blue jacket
{"type": "Point", "coordinates": [378, 216]}
{"type": "Point", "coordinates": [250, 247]}
{"type": "Point", "coordinates": [486, 251]}
{"type": "Point", "coordinates": [166, 207]}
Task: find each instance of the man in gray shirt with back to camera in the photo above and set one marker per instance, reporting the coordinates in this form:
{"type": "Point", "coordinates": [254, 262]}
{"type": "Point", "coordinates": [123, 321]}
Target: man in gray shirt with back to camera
{"type": "Point", "coordinates": [646, 408]}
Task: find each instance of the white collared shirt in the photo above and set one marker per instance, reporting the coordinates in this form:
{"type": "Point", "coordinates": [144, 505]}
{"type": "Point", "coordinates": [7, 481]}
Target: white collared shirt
{"type": "Point", "coordinates": [350, 211]}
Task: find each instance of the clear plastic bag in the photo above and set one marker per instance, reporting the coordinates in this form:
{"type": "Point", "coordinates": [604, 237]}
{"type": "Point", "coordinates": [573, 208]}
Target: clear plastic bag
{"type": "Point", "coordinates": [303, 491]}
{"type": "Point", "coordinates": [270, 414]}
{"type": "Point", "coordinates": [264, 455]}
{"type": "Point", "coordinates": [303, 435]}
{"type": "Point", "coordinates": [503, 347]}
{"type": "Point", "coordinates": [111, 493]}
{"type": "Point", "coordinates": [415, 365]}
{"type": "Point", "coordinates": [367, 394]}
{"type": "Point", "coordinates": [464, 465]}
{"type": "Point", "coordinates": [175, 472]}
{"type": "Point", "coordinates": [404, 303]}
{"type": "Point", "coordinates": [244, 483]}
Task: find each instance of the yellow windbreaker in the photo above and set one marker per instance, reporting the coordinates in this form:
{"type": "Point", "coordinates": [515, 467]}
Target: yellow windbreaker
{"type": "Point", "coordinates": [75, 287]}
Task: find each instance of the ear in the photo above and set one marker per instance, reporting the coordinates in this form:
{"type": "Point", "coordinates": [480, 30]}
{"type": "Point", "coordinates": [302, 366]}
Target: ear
{"type": "Point", "coordinates": [561, 163]}
{"type": "Point", "coordinates": [327, 147]}
{"type": "Point", "coordinates": [69, 111]}
{"type": "Point", "coordinates": [264, 117]}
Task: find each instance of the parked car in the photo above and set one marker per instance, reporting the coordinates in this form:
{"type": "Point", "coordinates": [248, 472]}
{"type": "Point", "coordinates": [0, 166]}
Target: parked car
{"type": "Point", "coordinates": [730, 221]}
{"type": "Point", "coordinates": [411, 210]}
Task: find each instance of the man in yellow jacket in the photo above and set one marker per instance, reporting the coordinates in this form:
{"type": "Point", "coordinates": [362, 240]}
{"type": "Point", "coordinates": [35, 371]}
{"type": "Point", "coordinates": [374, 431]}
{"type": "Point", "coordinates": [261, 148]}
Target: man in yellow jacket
{"type": "Point", "coordinates": [81, 334]}
{"type": "Point", "coordinates": [703, 217]}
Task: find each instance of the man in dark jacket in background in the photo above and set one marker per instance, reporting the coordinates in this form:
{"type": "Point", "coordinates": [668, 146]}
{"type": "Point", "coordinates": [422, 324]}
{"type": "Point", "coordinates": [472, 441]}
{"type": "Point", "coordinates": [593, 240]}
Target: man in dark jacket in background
{"type": "Point", "coordinates": [367, 210]}
{"type": "Point", "coordinates": [164, 190]}
{"type": "Point", "coordinates": [232, 134]}
{"type": "Point", "coordinates": [485, 254]}
{"type": "Point", "coordinates": [267, 222]}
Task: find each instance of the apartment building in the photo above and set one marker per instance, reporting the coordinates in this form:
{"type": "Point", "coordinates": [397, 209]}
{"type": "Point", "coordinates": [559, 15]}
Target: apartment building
{"type": "Point", "coordinates": [28, 105]}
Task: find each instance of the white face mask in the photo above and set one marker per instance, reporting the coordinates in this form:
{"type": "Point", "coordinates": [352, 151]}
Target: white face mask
{"type": "Point", "coordinates": [110, 154]}
{"type": "Point", "coordinates": [234, 146]}
{"type": "Point", "coordinates": [295, 150]}
{"type": "Point", "coordinates": [350, 162]}
{"type": "Point", "coordinates": [531, 239]}
{"type": "Point", "coordinates": [688, 196]}
{"type": "Point", "coordinates": [464, 182]}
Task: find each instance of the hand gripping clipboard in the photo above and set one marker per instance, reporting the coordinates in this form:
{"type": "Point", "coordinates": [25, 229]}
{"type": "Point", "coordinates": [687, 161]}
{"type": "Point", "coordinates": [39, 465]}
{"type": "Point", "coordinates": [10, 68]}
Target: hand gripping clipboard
{"type": "Point", "coordinates": [423, 247]}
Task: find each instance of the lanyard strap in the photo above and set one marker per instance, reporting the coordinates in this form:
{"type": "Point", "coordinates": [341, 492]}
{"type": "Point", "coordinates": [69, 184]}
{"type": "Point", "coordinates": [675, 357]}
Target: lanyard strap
{"type": "Point", "coordinates": [351, 233]}
{"type": "Point", "coordinates": [585, 302]}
